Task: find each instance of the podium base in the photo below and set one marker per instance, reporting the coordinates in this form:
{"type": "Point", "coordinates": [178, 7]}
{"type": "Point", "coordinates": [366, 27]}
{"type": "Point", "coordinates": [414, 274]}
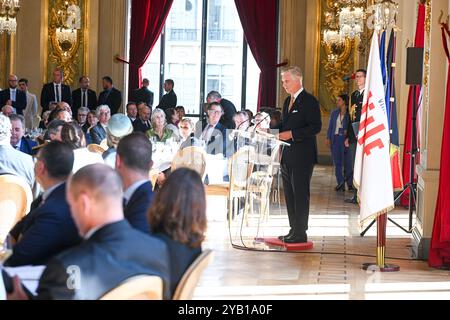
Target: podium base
{"type": "Point", "coordinates": [288, 246]}
{"type": "Point", "coordinates": [385, 268]}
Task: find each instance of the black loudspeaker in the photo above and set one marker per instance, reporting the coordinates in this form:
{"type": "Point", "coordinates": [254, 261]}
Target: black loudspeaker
{"type": "Point", "coordinates": [414, 66]}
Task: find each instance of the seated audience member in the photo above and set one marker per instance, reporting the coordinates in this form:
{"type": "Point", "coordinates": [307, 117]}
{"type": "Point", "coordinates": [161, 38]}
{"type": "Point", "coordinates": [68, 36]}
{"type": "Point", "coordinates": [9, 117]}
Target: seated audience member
{"type": "Point", "coordinates": [133, 163]}
{"type": "Point", "coordinates": [65, 106]}
{"type": "Point", "coordinates": [44, 120]}
{"type": "Point", "coordinates": [54, 130]}
{"type": "Point", "coordinates": [91, 122]}
{"type": "Point", "coordinates": [119, 126]}
{"type": "Point", "coordinates": [82, 116]}
{"type": "Point", "coordinates": [262, 122]}
{"type": "Point", "coordinates": [214, 133]}
{"type": "Point", "coordinates": [241, 120]}
{"type": "Point", "coordinates": [178, 217]}
{"type": "Point", "coordinates": [142, 123]}
{"type": "Point", "coordinates": [13, 161]}
{"type": "Point", "coordinates": [228, 108]}
{"type": "Point", "coordinates": [98, 133]}
{"type": "Point", "coordinates": [8, 110]}
{"type": "Point", "coordinates": [132, 111]}
{"type": "Point", "coordinates": [172, 122]}
{"type": "Point", "coordinates": [72, 135]}
{"type": "Point", "coordinates": [63, 115]}
{"type": "Point", "coordinates": [275, 120]}
{"type": "Point", "coordinates": [159, 131]}
{"type": "Point", "coordinates": [112, 251]}
{"type": "Point", "coordinates": [250, 116]}
{"type": "Point", "coordinates": [18, 141]}
{"type": "Point", "coordinates": [181, 112]}
{"type": "Point", "coordinates": [188, 138]}
{"type": "Point", "coordinates": [48, 229]}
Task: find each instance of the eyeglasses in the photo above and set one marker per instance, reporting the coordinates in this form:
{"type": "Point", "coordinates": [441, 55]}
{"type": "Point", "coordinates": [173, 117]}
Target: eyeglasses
{"type": "Point", "coordinates": [214, 111]}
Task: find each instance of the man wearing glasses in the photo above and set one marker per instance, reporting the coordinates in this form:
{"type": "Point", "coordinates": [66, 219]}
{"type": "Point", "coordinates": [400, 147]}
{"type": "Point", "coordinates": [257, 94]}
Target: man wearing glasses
{"type": "Point", "coordinates": [214, 133]}
{"type": "Point", "coordinates": [13, 96]}
{"type": "Point", "coordinates": [82, 117]}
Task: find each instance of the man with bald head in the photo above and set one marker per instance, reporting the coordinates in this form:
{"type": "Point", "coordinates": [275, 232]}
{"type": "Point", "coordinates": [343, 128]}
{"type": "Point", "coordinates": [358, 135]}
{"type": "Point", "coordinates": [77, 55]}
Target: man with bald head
{"type": "Point", "coordinates": [55, 91]}
{"type": "Point", "coordinates": [13, 96]}
{"type": "Point", "coordinates": [112, 251]}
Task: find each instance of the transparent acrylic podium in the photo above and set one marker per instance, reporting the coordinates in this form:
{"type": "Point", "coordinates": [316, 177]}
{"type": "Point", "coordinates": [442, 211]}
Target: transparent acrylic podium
{"type": "Point", "coordinates": [254, 209]}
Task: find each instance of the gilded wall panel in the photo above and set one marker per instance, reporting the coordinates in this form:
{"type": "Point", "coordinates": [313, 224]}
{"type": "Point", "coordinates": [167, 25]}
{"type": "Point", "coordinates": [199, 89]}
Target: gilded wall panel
{"type": "Point", "coordinates": [4, 59]}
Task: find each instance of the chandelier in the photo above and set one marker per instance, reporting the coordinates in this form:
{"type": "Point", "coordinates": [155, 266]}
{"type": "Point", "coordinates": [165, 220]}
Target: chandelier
{"type": "Point", "coordinates": [8, 13]}
{"type": "Point", "coordinates": [384, 15]}
{"type": "Point", "coordinates": [351, 18]}
{"type": "Point", "coordinates": [68, 22]}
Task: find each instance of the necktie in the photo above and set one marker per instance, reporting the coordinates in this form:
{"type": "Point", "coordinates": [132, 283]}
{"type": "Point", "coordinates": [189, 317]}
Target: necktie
{"type": "Point", "coordinates": [83, 98]}
{"type": "Point", "coordinates": [57, 93]}
{"type": "Point", "coordinates": [291, 103]}
{"type": "Point", "coordinates": [13, 95]}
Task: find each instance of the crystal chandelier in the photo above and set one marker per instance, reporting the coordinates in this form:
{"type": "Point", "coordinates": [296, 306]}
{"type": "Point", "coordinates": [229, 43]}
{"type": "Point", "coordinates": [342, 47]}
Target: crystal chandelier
{"type": "Point", "coordinates": [351, 19]}
{"type": "Point", "coordinates": [67, 27]}
{"type": "Point", "coordinates": [384, 15]}
{"type": "Point", "coordinates": [8, 13]}
{"type": "Point", "coordinates": [331, 35]}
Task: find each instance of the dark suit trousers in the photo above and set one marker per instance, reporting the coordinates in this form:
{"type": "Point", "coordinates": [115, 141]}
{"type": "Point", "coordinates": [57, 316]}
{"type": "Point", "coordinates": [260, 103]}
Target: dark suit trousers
{"type": "Point", "coordinates": [296, 183]}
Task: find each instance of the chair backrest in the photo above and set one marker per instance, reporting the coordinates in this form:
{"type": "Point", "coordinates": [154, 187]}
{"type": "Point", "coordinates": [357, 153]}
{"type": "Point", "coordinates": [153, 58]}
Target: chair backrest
{"type": "Point", "coordinates": [95, 148]}
{"type": "Point", "coordinates": [15, 202]}
{"type": "Point", "coordinates": [142, 287]}
{"type": "Point", "coordinates": [186, 286]}
{"type": "Point", "coordinates": [241, 166]}
{"type": "Point", "coordinates": [104, 144]}
{"type": "Point", "coordinates": [191, 157]}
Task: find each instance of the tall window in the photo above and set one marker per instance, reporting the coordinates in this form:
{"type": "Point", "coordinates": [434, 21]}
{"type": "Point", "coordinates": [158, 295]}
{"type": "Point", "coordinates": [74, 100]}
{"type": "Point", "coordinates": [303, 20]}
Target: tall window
{"type": "Point", "coordinates": [186, 51]}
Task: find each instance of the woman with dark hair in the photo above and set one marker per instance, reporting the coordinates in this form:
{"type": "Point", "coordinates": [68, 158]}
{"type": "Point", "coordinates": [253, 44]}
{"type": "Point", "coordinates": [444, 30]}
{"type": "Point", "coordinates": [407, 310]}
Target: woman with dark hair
{"type": "Point", "coordinates": [335, 140]}
{"type": "Point", "coordinates": [178, 217]}
{"type": "Point", "coordinates": [72, 134]}
{"type": "Point", "coordinates": [172, 121]}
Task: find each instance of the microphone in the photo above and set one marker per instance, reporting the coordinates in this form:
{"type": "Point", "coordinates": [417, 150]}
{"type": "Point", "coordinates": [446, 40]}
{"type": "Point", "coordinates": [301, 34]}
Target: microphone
{"type": "Point", "coordinates": [259, 122]}
{"type": "Point", "coordinates": [349, 77]}
{"type": "Point", "coordinates": [248, 120]}
{"type": "Point", "coordinates": [192, 138]}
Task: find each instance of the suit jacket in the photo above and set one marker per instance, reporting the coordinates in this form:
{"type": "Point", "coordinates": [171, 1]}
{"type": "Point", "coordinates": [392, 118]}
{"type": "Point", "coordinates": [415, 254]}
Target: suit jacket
{"type": "Point", "coordinates": [169, 100]}
{"type": "Point", "coordinates": [139, 126]}
{"type": "Point", "coordinates": [304, 120]}
{"type": "Point", "coordinates": [27, 145]}
{"type": "Point", "coordinates": [180, 256]}
{"type": "Point", "coordinates": [31, 110]}
{"type": "Point", "coordinates": [112, 98]}
{"type": "Point", "coordinates": [111, 255]}
{"type": "Point", "coordinates": [332, 125]}
{"type": "Point", "coordinates": [218, 143]}
{"type": "Point", "coordinates": [48, 95]}
{"type": "Point", "coordinates": [143, 95]}
{"type": "Point", "coordinates": [16, 163]}
{"type": "Point", "coordinates": [76, 98]}
{"type": "Point", "coordinates": [21, 100]}
{"type": "Point", "coordinates": [136, 209]}
{"type": "Point", "coordinates": [229, 110]}
{"type": "Point", "coordinates": [355, 108]}
{"type": "Point", "coordinates": [97, 133]}
{"type": "Point", "coordinates": [44, 232]}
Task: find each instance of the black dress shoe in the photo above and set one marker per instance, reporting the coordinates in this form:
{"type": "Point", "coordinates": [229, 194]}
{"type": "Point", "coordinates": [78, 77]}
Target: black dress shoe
{"type": "Point", "coordinates": [282, 238]}
{"type": "Point", "coordinates": [295, 239]}
{"type": "Point", "coordinates": [350, 188]}
{"type": "Point", "coordinates": [340, 187]}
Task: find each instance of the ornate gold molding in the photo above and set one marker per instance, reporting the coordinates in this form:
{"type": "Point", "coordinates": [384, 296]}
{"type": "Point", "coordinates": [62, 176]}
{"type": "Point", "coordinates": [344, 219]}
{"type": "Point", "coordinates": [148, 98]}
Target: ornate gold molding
{"type": "Point", "coordinates": [71, 57]}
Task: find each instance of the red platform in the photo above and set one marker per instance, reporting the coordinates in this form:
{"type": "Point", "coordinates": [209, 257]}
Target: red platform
{"type": "Point", "coordinates": [288, 246]}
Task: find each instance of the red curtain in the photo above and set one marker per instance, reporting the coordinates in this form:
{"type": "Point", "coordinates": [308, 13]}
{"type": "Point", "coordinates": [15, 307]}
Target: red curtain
{"type": "Point", "coordinates": [259, 21]}
{"type": "Point", "coordinates": [418, 42]}
{"type": "Point", "coordinates": [440, 241]}
{"type": "Point", "coordinates": [147, 20]}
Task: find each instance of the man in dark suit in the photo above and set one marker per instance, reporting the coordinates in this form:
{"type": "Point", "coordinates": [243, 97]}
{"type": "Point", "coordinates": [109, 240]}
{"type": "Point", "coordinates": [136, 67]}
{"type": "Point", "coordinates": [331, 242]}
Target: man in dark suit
{"type": "Point", "coordinates": [229, 110]}
{"type": "Point", "coordinates": [110, 95]}
{"type": "Point", "coordinates": [143, 123]}
{"type": "Point", "coordinates": [112, 251]}
{"type": "Point", "coordinates": [18, 141]}
{"type": "Point", "coordinates": [169, 100]}
{"type": "Point", "coordinates": [55, 91]}
{"type": "Point", "coordinates": [213, 133]}
{"type": "Point", "coordinates": [355, 107]}
{"type": "Point", "coordinates": [300, 124]}
{"type": "Point", "coordinates": [13, 96]}
{"type": "Point", "coordinates": [143, 94]}
{"type": "Point", "coordinates": [49, 229]}
{"type": "Point", "coordinates": [132, 112]}
{"type": "Point", "coordinates": [133, 163]}
{"type": "Point", "coordinates": [83, 96]}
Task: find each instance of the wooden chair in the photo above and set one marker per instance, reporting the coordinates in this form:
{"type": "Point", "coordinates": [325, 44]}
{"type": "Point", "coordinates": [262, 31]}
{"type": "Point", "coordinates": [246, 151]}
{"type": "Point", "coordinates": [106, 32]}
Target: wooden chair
{"type": "Point", "coordinates": [186, 286]}
{"type": "Point", "coordinates": [142, 287]}
{"type": "Point", "coordinates": [191, 157]}
{"type": "Point", "coordinates": [15, 202]}
{"type": "Point", "coordinates": [95, 148]}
